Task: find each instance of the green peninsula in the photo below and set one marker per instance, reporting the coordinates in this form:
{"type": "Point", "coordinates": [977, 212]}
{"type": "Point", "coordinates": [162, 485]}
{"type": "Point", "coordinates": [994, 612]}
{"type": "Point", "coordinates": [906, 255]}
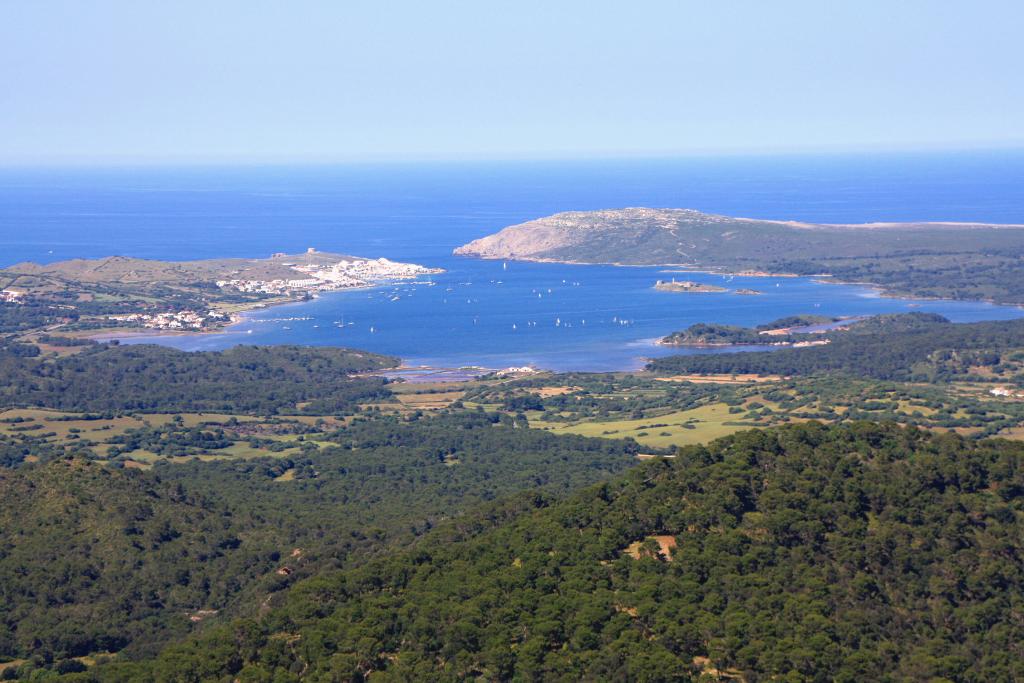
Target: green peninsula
{"type": "Point", "coordinates": [941, 260]}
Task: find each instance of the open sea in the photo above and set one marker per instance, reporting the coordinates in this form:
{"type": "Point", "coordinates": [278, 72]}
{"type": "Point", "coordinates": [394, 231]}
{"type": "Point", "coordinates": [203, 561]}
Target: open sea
{"type": "Point", "coordinates": [487, 313]}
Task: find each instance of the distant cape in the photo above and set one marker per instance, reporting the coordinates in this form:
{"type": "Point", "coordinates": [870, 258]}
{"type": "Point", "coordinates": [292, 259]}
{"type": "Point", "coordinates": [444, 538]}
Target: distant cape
{"type": "Point", "coordinates": [686, 237]}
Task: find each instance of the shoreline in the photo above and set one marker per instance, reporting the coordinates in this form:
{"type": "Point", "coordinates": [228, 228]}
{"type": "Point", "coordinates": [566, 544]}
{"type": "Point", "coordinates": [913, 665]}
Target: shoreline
{"type": "Point", "coordinates": [892, 293]}
{"type": "Point", "coordinates": [205, 296]}
{"type": "Point", "coordinates": [116, 333]}
{"type": "Point", "coordinates": [736, 345]}
{"type": "Point", "coordinates": [236, 317]}
{"type": "Point", "coordinates": [446, 361]}
{"type": "Point", "coordinates": [680, 267]}
{"type": "Point", "coordinates": [825, 278]}
{"type": "Point", "coordinates": [838, 324]}
{"type": "Point", "coordinates": [239, 315]}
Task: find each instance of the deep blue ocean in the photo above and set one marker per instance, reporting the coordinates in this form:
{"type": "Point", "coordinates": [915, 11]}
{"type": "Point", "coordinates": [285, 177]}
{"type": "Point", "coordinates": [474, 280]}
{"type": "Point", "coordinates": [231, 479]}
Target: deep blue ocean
{"type": "Point", "coordinates": [479, 312]}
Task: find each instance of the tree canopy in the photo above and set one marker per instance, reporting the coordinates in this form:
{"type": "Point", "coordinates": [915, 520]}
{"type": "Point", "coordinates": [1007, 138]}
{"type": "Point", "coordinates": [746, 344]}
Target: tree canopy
{"type": "Point", "coordinates": [804, 553]}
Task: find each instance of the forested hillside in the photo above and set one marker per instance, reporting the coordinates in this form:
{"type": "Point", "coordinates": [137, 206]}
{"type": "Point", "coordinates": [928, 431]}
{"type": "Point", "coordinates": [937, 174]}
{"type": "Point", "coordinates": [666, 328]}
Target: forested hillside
{"type": "Point", "coordinates": [99, 559]}
{"type": "Point", "coordinates": [853, 553]}
{"type": "Point", "coordinates": [243, 379]}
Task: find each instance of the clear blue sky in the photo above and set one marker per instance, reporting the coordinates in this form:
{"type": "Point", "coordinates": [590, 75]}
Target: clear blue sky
{"type": "Point", "coordinates": [219, 80]}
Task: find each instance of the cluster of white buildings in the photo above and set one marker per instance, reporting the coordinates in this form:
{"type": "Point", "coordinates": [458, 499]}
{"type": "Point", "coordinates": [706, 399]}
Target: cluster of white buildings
{"type": "Point", "coordinates": [815, 342]}
{"type": "Point", "coordinates": [181, 320]}
{"type": "Point", "coordinates": [12, 296]}
{"type": "Point", "coordinates": [513, 372]}
{"type": "Point", "coordinates": [344, 274]}
{"type": "Point", "coordinates": [1006, 392]}
{"type": "Point", "coordinates": [256, 286]}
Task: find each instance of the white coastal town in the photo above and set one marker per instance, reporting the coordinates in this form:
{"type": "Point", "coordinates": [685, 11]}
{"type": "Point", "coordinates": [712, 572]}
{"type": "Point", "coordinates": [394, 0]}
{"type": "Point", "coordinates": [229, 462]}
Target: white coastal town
{"type": "Point", "coordinates": [177, 320]}
{"type": "Point", "coordinates": [347, 273]}
{"type": "Point", "coordinates": [293, 276]}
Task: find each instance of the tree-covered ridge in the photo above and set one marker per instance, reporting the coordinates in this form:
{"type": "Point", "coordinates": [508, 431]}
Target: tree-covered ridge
{"type": "Point", "coordinates": [862, 552]}
{"type": "Point", "coordinates": [95, 558]}
{"type": "Point", "coordinates": [99, 559]}
{"type": "Point", "coordinates": [714, 334]}
{"type": "Point", "coordinates": [798, 328]}
{"type": "Point", "coordinates": [908, 347]}
{"type": "Point", "coordinates": [243, 379]}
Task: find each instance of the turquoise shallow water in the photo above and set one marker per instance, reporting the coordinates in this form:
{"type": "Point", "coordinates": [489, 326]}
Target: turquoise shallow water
{"type": "Point", "coordinates": [585, 317]}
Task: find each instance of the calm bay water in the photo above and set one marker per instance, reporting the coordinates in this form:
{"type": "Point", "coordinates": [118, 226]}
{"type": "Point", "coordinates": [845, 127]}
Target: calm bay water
{"type": "Point", "coordinates": [479, 312]}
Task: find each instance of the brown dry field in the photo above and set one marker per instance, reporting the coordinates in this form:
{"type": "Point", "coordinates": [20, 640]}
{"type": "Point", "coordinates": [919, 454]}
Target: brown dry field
{"type": "Point", "coordinates": [430, 401]}
{"type": "Point", "coordinates": [665, 546]}
{"type": "Point", "coordinates": [547, 392]}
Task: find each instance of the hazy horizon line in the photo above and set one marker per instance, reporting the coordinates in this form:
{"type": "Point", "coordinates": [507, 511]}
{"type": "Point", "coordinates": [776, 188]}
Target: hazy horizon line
{"type": "Point", "coordinates": [124, 161]}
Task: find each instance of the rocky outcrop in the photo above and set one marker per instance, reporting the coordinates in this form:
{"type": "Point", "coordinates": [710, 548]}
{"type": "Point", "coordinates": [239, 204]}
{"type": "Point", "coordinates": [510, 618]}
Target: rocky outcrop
{"type": "Point", "coordinates": [541, 238]}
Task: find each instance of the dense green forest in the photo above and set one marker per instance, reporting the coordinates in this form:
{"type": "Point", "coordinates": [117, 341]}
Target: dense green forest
{"type": "Point", "coordinates": [243, 379]}
{"type": "Point", "coordinates": [100, 559]}
{"type": "Point", "coordinates": [909, 347]}
{"type": "Point", "coordinates": [852, 553]}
